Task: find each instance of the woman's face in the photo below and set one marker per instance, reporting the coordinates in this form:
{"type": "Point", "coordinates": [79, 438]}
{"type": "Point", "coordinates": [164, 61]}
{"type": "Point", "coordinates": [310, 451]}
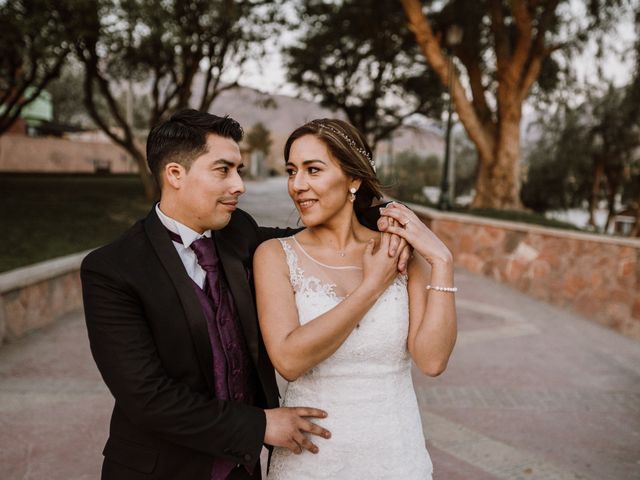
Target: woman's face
{"type": "Point", "coordinates": [317, 185]}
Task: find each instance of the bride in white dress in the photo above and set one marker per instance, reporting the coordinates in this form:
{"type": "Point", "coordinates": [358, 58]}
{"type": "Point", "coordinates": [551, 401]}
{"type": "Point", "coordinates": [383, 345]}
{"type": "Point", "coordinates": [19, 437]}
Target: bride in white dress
{"type": "Point", "coordinates": [342, 325]}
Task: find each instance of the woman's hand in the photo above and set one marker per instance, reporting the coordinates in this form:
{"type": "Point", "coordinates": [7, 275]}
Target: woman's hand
{"type": "Point", "coordinates": [379, 267]}
{"type": "Point", "coordinates": [417, 234]}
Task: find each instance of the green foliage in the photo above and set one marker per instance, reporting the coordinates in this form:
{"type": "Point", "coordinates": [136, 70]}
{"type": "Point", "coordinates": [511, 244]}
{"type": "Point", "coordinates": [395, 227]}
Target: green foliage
{"type": "Point", "coordinates": [259, 138]}
{"type": "Point", "coordinates": [358, 56]}
{"type": "Point", "coordinates": [409, 174]}
{"type": "Point", "coordinates": [601, 133]}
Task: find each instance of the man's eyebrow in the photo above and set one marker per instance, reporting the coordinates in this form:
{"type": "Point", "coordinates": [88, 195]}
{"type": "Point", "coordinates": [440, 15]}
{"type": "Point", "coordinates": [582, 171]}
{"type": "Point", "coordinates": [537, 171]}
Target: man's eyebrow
{"type": "Point", "coordinates": [227, 163]}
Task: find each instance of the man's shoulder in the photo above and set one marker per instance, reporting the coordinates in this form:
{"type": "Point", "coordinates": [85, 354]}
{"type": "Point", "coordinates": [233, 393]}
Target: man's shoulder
{"type": "Point", "coordinates": [120, 250]}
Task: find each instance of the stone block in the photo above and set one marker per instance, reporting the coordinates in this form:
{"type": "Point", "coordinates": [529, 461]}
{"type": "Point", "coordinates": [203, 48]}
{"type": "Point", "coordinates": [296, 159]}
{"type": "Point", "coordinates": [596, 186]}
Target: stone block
{"type": "Point", "coordinates": [514, 270]}
{"type": "Point", "coordinates": [573, 284]}
{"type": "Point", "coordinates": [596, 279]}
{"type": "Point", "coordinates": [616, 314]}
{"type": "Point", "coordinates": [471, 262]}
{"type": "Point", "coordinates": [539, 269]}
{"type": "Point", "coordinates": [627, 271]}
{"type": "Point", "coordinates": [466, 243]}
{"type": "Point", "coordinates": [525, 253]}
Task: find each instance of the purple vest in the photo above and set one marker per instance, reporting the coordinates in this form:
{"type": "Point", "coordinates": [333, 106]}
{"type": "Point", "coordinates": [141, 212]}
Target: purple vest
{"type": "Point", "coordinates": [232, 368]}
{"type": "Point", "coordinates": [234, 377]}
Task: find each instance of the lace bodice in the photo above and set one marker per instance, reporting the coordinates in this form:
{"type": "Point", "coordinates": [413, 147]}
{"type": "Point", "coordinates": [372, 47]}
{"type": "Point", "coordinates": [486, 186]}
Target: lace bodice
{"type": "Point", "coordinates": [365, 386]}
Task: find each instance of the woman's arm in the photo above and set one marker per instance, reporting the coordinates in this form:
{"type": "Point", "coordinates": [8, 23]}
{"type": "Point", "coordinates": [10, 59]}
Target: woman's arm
{"type": "Point", "coordinates": [432, 313]}
{"type": "Point", "coordinates": [295, 348]}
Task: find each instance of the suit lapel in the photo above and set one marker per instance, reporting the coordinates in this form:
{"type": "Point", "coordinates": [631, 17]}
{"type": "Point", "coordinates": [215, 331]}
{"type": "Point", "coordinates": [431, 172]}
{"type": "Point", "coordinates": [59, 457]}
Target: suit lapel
{"type": "Point", "coordinates": [196, 320]}
{"type": "Point", "coordinates": [237, 280]}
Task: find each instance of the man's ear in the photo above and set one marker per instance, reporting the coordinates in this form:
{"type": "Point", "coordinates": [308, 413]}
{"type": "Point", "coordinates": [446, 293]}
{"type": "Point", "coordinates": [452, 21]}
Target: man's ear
{"type": "Point", "coordinates": [173, 174]}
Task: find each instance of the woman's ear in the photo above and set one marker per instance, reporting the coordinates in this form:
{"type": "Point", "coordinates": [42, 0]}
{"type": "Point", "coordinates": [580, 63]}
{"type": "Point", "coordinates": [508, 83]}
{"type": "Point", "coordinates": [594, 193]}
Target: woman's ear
{"type": "Point", "coordinates": [356, 182]}
{"type": "Point", "coordinates": [174, 174]}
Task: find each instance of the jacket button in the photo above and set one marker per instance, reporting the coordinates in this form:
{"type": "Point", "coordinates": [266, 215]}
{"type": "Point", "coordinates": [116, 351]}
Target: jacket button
{"type": "Point", "coordinates": [247, 457]}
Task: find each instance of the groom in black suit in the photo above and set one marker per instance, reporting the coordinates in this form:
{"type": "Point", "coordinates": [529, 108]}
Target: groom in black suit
{"type": "Point", "coordinates": [172, 323]}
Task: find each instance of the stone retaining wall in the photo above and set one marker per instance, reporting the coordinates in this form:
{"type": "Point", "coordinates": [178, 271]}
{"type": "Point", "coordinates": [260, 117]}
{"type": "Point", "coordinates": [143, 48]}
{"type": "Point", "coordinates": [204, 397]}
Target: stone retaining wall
{"type": "Point", "coordinates": [596, 276]}
{"type": "Point", "coordinates": [37, 295]}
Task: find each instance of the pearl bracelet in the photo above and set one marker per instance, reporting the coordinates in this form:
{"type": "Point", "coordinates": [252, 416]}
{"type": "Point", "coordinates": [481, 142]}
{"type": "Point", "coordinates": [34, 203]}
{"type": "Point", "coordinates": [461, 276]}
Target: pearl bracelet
{"type": "Point", "coordinates": [442, 289]}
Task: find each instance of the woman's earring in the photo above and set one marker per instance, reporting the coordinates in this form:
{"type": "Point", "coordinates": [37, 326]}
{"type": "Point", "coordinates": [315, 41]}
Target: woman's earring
{"type": "Point", "coordinates": [352, 194]}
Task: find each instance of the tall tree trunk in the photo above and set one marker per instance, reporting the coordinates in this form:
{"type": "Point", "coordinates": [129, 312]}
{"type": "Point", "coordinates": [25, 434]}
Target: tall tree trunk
{"type": "Point", "coordinates": [498, 180]}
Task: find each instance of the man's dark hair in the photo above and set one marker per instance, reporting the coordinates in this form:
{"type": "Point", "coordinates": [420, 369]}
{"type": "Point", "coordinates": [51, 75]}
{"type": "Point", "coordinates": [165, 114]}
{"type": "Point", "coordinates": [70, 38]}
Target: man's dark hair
{"type": "Point", "coordinates": [183, 138]}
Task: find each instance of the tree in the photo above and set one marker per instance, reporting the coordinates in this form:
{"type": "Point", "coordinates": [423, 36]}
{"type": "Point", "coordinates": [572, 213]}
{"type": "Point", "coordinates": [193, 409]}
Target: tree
{"type": "Point", "coordinates": [173, 52]}
{"type": "Point", "coordinates": [358, 57]}
{"type": "Point", "coordinates": [560, 173]}
{"type": "Point", "coordinates": [586, 153]}
{"type": "Point", "coordinates": [411, 173]}
{"type": "Point", "coordinates": [506, 49]}
{"type": "Point", "coordinates": [33, 48]}
{"type": "Point", "coordinates": [259, 139]}
{"type": "Point", "coordinates": [465, 165]}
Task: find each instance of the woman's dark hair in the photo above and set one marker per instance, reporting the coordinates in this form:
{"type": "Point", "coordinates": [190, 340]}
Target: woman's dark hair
{"type": "Point", "coordinates": [183, 138]}
{"type": "Point", "coordinates": [349, 147]}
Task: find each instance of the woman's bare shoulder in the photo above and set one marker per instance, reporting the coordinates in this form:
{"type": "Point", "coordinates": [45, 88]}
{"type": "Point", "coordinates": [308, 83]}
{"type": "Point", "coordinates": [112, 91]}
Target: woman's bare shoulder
{"type": "Point", "coordinates": [271, 253]}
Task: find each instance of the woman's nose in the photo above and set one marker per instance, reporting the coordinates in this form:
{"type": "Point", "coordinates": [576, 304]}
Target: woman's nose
{"type": "Point", "coordinates": [299, 182]}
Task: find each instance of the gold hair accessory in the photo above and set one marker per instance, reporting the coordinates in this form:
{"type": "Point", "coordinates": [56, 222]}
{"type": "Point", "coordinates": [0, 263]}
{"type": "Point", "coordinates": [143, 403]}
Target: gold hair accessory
{"type": "Point", "coordinates": [352, 143]}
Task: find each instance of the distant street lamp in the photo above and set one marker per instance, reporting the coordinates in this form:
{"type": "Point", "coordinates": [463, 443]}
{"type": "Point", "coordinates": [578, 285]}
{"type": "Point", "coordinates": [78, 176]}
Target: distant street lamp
{"type": "Point", "coordinates": [453, 38]}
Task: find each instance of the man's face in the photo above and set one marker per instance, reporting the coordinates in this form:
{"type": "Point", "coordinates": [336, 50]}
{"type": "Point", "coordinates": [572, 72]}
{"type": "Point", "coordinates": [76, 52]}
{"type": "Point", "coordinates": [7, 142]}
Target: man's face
{"type": "Point", "coordinates": [209, 191]}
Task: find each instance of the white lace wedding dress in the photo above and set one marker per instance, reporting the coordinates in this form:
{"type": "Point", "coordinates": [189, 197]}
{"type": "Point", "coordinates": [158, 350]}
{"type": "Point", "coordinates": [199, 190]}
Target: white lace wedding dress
{"type": "Point", "coordinates": [365, 386]}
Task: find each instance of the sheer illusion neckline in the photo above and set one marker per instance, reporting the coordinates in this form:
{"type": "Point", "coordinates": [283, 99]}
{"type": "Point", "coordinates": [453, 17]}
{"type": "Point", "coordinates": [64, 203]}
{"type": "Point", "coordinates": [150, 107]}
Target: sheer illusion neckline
{"type": "Point", "coordinates": [346, 267]}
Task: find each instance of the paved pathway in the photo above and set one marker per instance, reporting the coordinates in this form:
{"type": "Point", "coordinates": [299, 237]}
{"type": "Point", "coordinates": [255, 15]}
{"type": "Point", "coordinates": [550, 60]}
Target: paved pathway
{"type": "Point", "coordinates": [531, 392]}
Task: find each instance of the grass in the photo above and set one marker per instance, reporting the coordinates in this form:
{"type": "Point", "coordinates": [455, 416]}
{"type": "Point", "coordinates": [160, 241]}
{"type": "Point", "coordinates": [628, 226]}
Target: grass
{"type": "Point", "coordinates": [47, 216]}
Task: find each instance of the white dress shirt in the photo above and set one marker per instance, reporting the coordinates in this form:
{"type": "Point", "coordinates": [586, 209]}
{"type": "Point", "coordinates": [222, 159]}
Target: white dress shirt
{"type": "Point", "coordinates": [187, 255]}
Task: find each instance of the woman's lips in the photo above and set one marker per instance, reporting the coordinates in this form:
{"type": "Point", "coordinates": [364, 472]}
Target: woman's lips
{"type": "Point", "coordinates": [306, 204]}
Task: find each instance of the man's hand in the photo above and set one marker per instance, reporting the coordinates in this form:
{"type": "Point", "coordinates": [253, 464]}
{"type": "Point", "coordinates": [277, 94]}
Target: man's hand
{"type": "Point", "coordinates": [285, 426]}
{"type": "Point", "coordinates": [396, 244]}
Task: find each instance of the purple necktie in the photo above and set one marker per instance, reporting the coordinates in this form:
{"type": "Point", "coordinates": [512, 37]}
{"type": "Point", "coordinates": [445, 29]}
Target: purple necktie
{"type": "Point", "coordinates": [208, 259]}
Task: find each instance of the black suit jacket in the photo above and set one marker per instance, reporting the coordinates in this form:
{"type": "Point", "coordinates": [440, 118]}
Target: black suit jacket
{"type": "Point", "coordinates": [149, 338]}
